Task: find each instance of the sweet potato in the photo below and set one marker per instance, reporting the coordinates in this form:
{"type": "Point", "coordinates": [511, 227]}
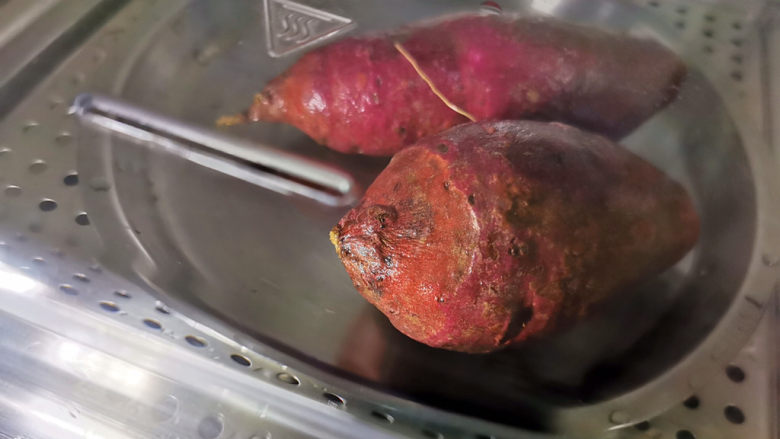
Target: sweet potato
{"type": "Point", "coordinates": [360, 95]}
{"type": "Point", "coordinates": [492, 233]}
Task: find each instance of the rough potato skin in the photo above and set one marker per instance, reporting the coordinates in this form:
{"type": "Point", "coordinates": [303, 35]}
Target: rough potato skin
{"type": "Point", "coordinates": [492, 233]}
{"type": "Point", "coordinates": [359, 95]}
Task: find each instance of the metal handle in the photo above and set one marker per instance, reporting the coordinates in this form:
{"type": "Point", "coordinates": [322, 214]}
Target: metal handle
{"type": "Point", "coordinates": [273, 169]}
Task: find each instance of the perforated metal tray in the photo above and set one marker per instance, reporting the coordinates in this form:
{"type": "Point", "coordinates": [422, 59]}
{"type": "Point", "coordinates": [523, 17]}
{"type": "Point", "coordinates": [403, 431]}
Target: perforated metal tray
{"type": "Point", "coordinates": [115, 225]}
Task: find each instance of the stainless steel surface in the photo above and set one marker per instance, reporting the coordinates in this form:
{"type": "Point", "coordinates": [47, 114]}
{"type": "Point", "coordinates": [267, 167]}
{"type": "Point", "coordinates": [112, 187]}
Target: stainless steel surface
{"type": "Point", "coordinates": [219, 253]}
{"type": "Point", "coordinates": [18, 15]}
{"type": "Point", "coordinates": [28, 28]}
{"type": "Point", "coordinates": [747, 386]}
{"type": "Point", "coordinates": [59, 380]}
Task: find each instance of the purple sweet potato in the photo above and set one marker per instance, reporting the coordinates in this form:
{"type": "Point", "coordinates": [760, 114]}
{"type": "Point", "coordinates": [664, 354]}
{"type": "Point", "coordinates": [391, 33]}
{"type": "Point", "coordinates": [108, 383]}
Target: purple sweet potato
{"type": "Point", "coordinates": [360, 95]}
{"type": "Point", "coordinates": [492, 233]}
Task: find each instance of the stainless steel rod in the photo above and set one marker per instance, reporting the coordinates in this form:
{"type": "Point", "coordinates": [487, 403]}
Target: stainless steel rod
{"type": "Point", "coordinates": [292, 174]}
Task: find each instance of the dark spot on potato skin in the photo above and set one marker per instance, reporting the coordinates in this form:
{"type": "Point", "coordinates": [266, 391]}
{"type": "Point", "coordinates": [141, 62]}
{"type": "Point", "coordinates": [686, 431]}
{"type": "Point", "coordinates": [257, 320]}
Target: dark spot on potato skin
{"type": "Point", "coordinates": [472, 199]}
{"type": "Point", "coordinates": [523, 249]}
{"type": "Point", "coordinates": [418, 223]}
{"type": "Point", "coordinates": [442, 148]}
{"type": "Point", "coordinates": [446, 185]}
{"type": "Point", "coordinates": [396, 187]}
{"type": "Point", "coordinates": [519, 319]}
{"type": "Point", "coordinates": [382, 218]}
{"type": "Point", "coordinates": [401, 130]}
{"type": "Point", "coordinates": [376, 285]}
{"type": "Point", "coordinates": [383, 214]}
{"type": "Point", "coordinates": [521, 213]}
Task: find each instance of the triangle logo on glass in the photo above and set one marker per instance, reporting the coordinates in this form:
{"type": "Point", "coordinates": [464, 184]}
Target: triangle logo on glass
{"type": "Point", "coordinates": [291, 26]}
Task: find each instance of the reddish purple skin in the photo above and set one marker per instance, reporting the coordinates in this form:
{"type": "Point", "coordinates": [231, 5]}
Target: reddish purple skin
{"type": "Point", "coordinates": [360, 95]}
{"type": "Point", "coordinates": [493, 233]}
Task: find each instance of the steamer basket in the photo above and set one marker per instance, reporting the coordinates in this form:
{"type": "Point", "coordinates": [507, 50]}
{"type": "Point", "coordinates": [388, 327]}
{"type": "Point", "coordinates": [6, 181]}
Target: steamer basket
{"type": "Point", "coordinates": [163, 281]}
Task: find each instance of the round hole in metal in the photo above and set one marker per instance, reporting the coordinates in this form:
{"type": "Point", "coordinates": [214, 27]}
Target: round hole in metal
{"type": "Point", "coordinates": [737, 58]}
{"type": "Point", "coordinates": [333, 399]}
{"type": "Point", "coordinates": [642, 426]}
{"type": "Point", "coordinates": [736, 75]}
{"type": "Point", "coordinates": [68, 289]}
{"type": "Point", "coordinates": [38, 166]}
{"type": "Point", "coordinates": [12, 191]}
{"type": "Point", "coordinates": [654, 3]}
{"type": "Point", "coordinates": [210, 427]}
{"type": "Point", "coordinates": [109, 306]}
{"type": "Point", "coordinates": [680, 24]}
{"type": "Point", "coordinates": [154, 324]}
{"type": "Point", "coordinates": [195, 341]}
{"type": "Point", "coordinates": [287, 378]}
{"type": "Point", "coordinates": [122, 293]}
{"type": "Point", "coordinates": [692, 402]}
{"type": "Point", "coordinates": [383, 416]}
{"type": "Point", "coordinates": [735, 373]}
{"type": "Point", "coordinates": [81, 277]}
{"type": "Point", "coordinates": [684, 434]}
{"type": "Point", "coordinates": [240, 359]}
{"type": "Point", "coordinates": [736, 25]}
{"type": "Point", "coordinates": [709, 33]}
{"type": "Point", "coordinates": [734, 414]}
{"type": "Point", "coordinates": [82, 219]}
{"type": "Point", "coordinates": [682, 10]}
{"type": "Point", "coordinates": [709, 17]}
{"type": "Point", "coordinates": [432, 434]}
{"type": "Point", "coordinates": [47, 205]}
{"type": "Point", "coordinates": [736, 42]}
{"type": "Point", "coordinates": [71, 179]}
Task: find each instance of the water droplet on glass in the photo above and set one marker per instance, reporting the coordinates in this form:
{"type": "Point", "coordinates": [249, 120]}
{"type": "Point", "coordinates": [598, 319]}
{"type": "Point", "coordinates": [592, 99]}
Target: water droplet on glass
{"type": "Point", "coordinates": [619, 417]}
{"type": "Point", "coordinates": [490, 7]}
{"type": "Point", "coordinates": [99, 184]}
{"type": "Point", "coordinates": [770, 260]}
{"type": "Point", "coordinates": [165, 408]}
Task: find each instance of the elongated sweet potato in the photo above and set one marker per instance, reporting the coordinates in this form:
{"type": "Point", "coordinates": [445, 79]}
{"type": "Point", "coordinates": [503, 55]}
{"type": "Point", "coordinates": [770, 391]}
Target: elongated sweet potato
{"type": "Point", "coordinates": [361, 95]}
{"type": "Point", "coordinates": [491, 233]}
